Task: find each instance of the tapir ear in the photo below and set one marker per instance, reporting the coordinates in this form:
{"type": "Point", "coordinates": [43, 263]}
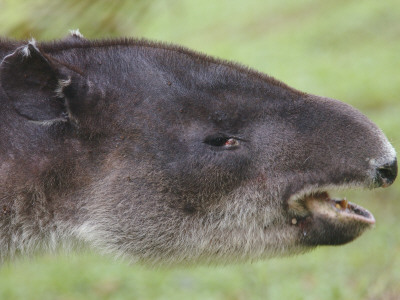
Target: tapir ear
{"type": "Point", "coordinates": [74, 36]}
{"type": "Point", "coordinates": [30, 79]}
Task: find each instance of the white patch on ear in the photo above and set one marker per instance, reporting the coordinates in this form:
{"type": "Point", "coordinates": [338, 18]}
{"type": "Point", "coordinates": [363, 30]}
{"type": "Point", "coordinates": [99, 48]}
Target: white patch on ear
{"type": "Point", "coordinates": [32, 42]}
{"type": "Point", "coordinates": [25, 49]}
{"type": "Point", "coordinates": [76, 33]}
{"type": "Point", "coordinates": [62, 83]}
{"type": "Point", "coordinates": [48, 123]}
{"type": "Point", "coordinates": [7, 56]}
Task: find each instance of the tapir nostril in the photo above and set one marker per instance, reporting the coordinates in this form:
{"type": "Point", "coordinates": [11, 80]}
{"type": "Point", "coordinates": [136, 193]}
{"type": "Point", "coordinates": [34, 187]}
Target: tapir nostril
{"type": "Point", "coordinates": [387, 173]}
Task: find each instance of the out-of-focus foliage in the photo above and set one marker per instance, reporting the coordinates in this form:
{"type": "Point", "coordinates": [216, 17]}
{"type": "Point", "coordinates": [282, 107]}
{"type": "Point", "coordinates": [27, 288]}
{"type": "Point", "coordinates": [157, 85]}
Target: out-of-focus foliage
{"type": "Point", "coordinates": [49, 19]}
{"type": "Point", "coordinates": [349, 50]}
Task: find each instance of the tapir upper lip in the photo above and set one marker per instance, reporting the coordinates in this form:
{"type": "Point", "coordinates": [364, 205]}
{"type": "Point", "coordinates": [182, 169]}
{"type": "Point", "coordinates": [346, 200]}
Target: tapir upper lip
{"type": "Point", "coordinates": [312, 203]}
{"type": "Point", "coordinates": [383, 176]}
{"type": "Point", "coordinates": [317, 188]}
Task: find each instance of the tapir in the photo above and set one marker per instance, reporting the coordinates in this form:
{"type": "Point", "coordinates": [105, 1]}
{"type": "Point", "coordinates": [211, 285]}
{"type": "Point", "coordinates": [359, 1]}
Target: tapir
{"type": "Point", "coordinates": [158, 154]}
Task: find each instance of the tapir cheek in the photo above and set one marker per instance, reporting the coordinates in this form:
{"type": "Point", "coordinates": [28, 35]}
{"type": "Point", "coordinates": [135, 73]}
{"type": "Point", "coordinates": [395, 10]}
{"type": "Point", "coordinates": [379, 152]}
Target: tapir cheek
{"type": "Point", "coordinates": [261, 178]}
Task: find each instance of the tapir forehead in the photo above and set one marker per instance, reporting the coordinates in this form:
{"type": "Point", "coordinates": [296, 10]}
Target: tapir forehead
{"type": "Point", "coordinates": [146, 69]}
{"type": "Point", "coordinates": [192, 89]}
{"type": "Point", "coordinates": [225, 111]}
{"type": "Point", "coordinates": [175, 85]}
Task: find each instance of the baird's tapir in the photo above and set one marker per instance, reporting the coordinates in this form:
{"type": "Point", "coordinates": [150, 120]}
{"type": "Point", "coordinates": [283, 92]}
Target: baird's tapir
{"type": "Point", "coordinates": [159, 154]}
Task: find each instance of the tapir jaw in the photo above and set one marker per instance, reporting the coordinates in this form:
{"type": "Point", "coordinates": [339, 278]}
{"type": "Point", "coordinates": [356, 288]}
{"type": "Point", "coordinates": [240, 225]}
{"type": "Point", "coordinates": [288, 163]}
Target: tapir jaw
{"type": "Point", "coordinates": [343, 150]}
{"type": "Point", "coordinates": [323, 220]}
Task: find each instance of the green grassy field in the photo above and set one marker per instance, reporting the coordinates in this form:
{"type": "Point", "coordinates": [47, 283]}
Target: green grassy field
{"type": "Point", "coordinates": [348, 50]}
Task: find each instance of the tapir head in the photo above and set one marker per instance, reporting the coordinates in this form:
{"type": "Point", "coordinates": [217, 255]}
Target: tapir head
{"type": "Point", "coordinates": [160, 154]}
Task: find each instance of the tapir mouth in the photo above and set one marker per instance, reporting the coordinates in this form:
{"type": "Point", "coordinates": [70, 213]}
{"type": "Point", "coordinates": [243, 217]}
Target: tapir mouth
{"type": "Point", "coordinates": [323, 220]}
{"type": "Point", "coordinates": [321, 204]}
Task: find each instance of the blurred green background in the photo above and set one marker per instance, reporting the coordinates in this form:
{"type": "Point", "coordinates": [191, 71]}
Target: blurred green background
{"type": "Point", "coordinates": [348, 50]}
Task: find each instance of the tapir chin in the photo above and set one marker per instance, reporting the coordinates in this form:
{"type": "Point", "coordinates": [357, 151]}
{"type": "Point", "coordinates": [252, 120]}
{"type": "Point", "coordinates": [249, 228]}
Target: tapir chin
{"type": "Point", "coordinates": [159, 154]}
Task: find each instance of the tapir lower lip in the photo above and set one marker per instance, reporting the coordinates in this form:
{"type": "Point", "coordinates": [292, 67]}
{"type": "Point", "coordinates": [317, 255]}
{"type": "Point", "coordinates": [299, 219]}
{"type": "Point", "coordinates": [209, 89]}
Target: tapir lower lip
{"type": "Point", "coordinates": [361, 214]}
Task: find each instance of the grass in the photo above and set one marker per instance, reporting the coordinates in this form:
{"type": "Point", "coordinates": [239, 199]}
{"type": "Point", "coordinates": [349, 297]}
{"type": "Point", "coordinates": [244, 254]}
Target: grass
{"type": "Point", "coordinates": [347, 50]}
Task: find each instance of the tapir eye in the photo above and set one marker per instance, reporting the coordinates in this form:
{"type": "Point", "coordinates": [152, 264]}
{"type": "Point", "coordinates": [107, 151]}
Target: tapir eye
{"type": "Point", "coordinates": [222, 141]}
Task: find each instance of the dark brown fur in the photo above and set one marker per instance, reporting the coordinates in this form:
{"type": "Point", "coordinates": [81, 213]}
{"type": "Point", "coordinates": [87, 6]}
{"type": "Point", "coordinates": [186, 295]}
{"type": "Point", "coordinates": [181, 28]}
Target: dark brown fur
{"type": "Point", "coordinates": [161, 154]}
